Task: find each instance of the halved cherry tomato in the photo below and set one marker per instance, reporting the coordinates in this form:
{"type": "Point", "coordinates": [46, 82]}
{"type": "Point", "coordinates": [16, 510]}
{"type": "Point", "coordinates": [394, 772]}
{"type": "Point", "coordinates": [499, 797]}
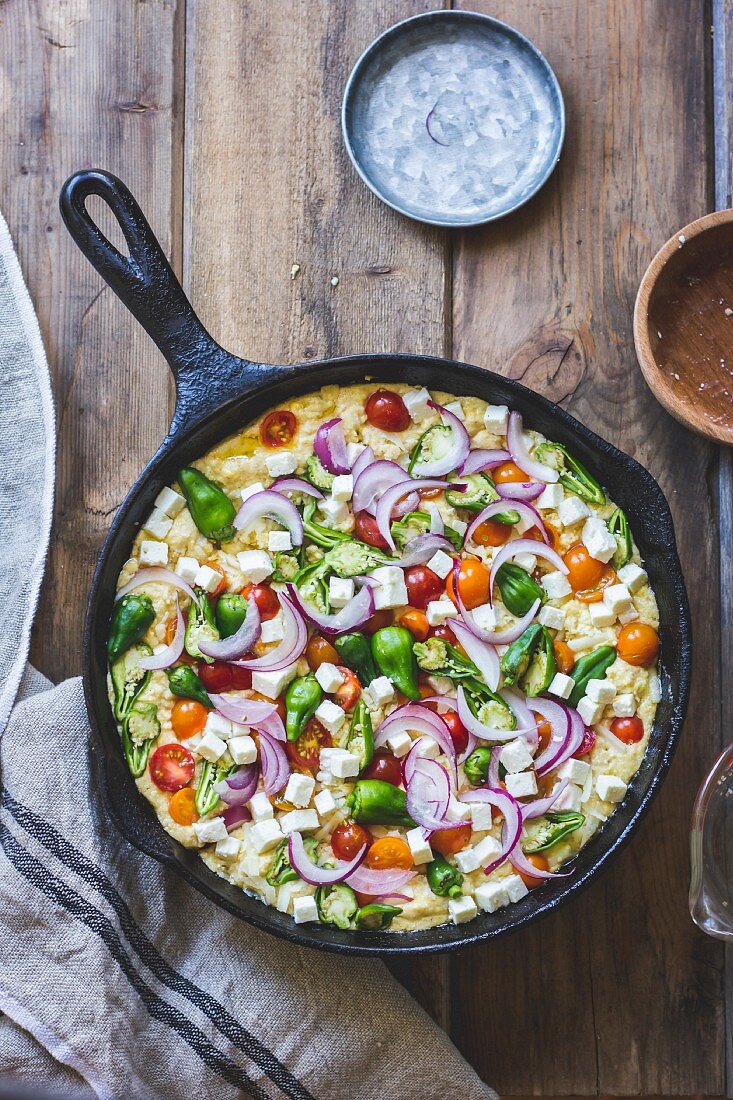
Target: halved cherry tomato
{"type": "Point", "coordinates": [508, 472]}
{"type": "Point", "coordinates": [386, 767]}
{"type": "Point", "coordinates": [564, 657]}
{"type": "Point", "coordinates": [223, 583]}
{"type": "Point", "coordinates": [595, 594]}
{"type": "Point", "coordinates": [347, 695]}
{"type": "Point", "coordinates": [306, 750]}
{"type": "Point", "coordinates": [583, 570]}
{"type": "Point", "coordinates": [473, 583]}
{"type": "Point", "coordinates": [319, 651]}
{"type": "Point", "coordinates": [638, 644]}
{"type": "Point", "coordinates": [491, 533]}
{"type": "Point", "coordinates": [538, 860]}
{"type": "Point", "coordinates": [215, 677]}
{"type": "Point", "coordinates": [348, 838]}
{"type": "Point", "coordinates": [182, 806]}
{"type": "Point", "coordinates": [386, 410]}
{"type": "Point", "coordinates": [628, 730]}
{"type": "Point", "coordinates": [266, 599]}
{"type": "Point", "coordinates": [448, 841]}
{"type": "Point", "coordinates": [589, 740]}
{"type": "Point", "coordinates": [416, 622]}
{"type": "Point", "coordinates": [279, 703]}
{"type": "Point", "coordinates": [172, 767]}
{"type": "Point", "coordinates": [188, 718]}
{"type": "Point", "coordinates": [444, 632]}
{"type": "Point", "coordinates": [544, 729]}
{"type": "Point", "coordinates": [365, 528]}
{"type": "Point", "coordinates": [377, 621]}
{"type": "Point", "coordinates": [422, 586]}
{"type": "Point", "coordinates": [457, 730]}
{"type": "Point", "coordinates": [390, 851]}
{"type": "Point", "coordinates": [278, 428]}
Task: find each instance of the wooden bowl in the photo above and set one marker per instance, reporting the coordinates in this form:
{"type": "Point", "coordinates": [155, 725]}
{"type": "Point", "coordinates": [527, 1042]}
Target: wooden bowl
{"type": "Point", "coordinates": [683, 326]}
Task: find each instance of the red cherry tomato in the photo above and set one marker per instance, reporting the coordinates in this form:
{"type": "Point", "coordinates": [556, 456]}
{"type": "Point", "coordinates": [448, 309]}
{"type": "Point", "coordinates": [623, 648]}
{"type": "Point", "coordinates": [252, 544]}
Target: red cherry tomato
{"type": "Point", "coordinates": [172, 767]}
{"type": "Point", "coordinates": [278, 428]}
{"type": "Point", "coordinates": [365, 528]}
{"type": "Point", "coordinates": [378, 620]}
{"type": "Point", "coordinates": [589, 740]}
{"type": "Point", "coordinates": [266, 599]}
{"type": "Point", "coordinates": [445, 633]}
{"type": "Point", "coordinates": [448, 841]}
{"type": "Point", "coordinates": [386, 410]}
{"type": "Point", "coordinates": [216, 677]}
{"type": "Point", "coordinates": [628, 730]}
{"type": "Point", "coordinates": [348, 838]}
{"type": "Point", "coordinates": [306, 751]}
{"type": "Point", "coordinates": [385, 767]}
{"type": "Point", "coordinates": [241, 678]}
{"type": "Point", "coordinates": [422, 586]}
{"type": "Point", "coordinates": [457, 730]}
{"type": "Point", "coordinates": [348, 694]}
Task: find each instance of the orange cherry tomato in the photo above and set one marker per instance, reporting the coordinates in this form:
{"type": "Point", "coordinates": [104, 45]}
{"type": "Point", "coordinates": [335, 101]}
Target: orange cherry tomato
{"type": "Point", "coordinates": [628, 730]}
{"type": "Point", "coordinates": [170, 630]}
{"type": "Point", "coordinates": [544, 729]}
{"type": "Point", "coordinates": [417, 623]}
{"type": "Point", "coordinates": [389, 851]}
{"type": "Point", "coordinates": [541, 863]}
{"type": "Point", "coordinates": [182, 806]}
{"type": "Point", "coordinates": [449, 841]}
{"type": "Point", "coordinates": [278, 428]}
{"type": "Point", "coordinates": [473, 583]}
{"type": "Point", "coordinates": [347, 695]}
{"type": "Point", "coordinates": [223, 583]}
{"type": "Point", "coordinates": [306, 750]}
{"type": "Point", "coordinates": [348, 838]}
{"type": "Point", "coordinates": [491, 533]}
{"type": "Point", "coordinates": [187, 718]}
{"type": "Point", "coordinates": [377, 621]}
{"type": "Point", "coordinates": [638, 644]}
{"type": "Point", "coordinates": [583, 570]}
{"type": "Point", "coordinates": [536, 534]}
{"type": "Point", "coordinates": [595, 595]}
{"type": "Point", "coordinates": [319, 652]}
{"type": "Point", "coordinates": [171, 767]}
{"type": "Point", "coordinates": [508, 472]}
{"type": "Point", "coordinates": [266, 599]}
{"type": "Point", "coordinates": [564, 657]}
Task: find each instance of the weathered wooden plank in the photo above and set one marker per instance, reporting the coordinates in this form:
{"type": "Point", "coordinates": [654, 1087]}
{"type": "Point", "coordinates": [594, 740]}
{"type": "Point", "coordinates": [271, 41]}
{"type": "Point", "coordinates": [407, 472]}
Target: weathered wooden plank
{"type": "Point", "coordinates": [619, 992]}
{"type": "Point", "coordinates": [86, 85]}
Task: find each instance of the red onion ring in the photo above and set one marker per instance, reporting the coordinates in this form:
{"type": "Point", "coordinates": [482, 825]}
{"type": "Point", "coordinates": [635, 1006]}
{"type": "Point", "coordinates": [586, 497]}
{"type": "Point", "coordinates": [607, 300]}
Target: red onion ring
{"type": "Point", "coordinates": [495, 637]}
{"type": "Point", "coordinates": [389, 498]}
{"type": "Point", "coordinates": [172, 652]}
{"type": "Point", "coordinates": [520, 708]}
{"type": "Point", "coordinates": [483, 655]}
{"type": "Point", "coordinates": [477, 728]}
{"type": "Point", "coordinates": [275, 764]}
{"type": "Point", "coordinates": [563, 741]}
{"type": "Point", "coordinates": [394, 897]}
{"type": "Point", "coordinates": [237, 789]}
{"type": "Point", "coordinates": [310, 872]}
{"type": "Point", "coordinates": [523, 546]}
{"type": "Point", "coordinates": [480, 460]}
{"type": "Point", "coordinates": [373, 479]}
{"type": "Point", "coordinates": [526, 511]}
{"type": "Point", "coordinates": [370, 880]}
{"type": "Point", "coordinates": [511, 828]}
{"type": "Point", "coordinates": [289, 649]}
{"type": "Point", "coordinates": [350, 617]}
{"type": "Point", "coordinates": [520, 452]}
{"type": "Point", "coordinates": [520, 490]}
{"type": "Point", "coordinates": [414, 718]}
{"type": "Point", "coordinates": [437, 523]}
{"type": "Point", "coordinates": [158, 575]}
{"type": "Point", "coordinates": [239, 643]}
{"type": "Point", "coordinates": [330, 447]}
{"type": "Point", "coordinates": [273, 506]}
{"type": "Point", "coordinates": [363, 462]}
{"type": "Point", "coordinates": [458, 449]}
{"type": "Point", "coordinates": [520, 862]}
{"type": "Point", "coordinates": [236, 815]}
{"type": "Point", "coordinates": [541, 805]}
{"type": "Point", "coordinates": [245, 712]}
{"type": "Point", "coordinates": [492, 778]}
{"type": "Point", "coordinates": [428, 795]}
{"type": "Point", "coordinates": [272, 725]}
{"type": "Point", "coordinates": [420, 549]}
{"type": "Point", "coordinates": [296, 485]}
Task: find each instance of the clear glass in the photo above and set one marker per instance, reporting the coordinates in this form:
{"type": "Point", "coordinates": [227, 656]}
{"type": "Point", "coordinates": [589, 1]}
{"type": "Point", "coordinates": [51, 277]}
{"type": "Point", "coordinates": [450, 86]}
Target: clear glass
{"type": "Point", "coordinates": [711, 851]}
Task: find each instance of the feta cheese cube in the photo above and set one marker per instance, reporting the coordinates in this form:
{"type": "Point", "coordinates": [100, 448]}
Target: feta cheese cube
{"type": "Point", "coordinates": [251, 490]}
{"type": "Point", "coordinates": [299, 789]}
{"type": "Point", "coordinates": [624, 705]}
{"type": "Point", "coordinates": [421, 850]}
{"type": "Point", "coordinates": [491, 896]}
{"type": "Point", "coordinates": [610, 788]}
{"type": "Point", "coordinates": [187, 568]}
{"type": "Point", "coordinates": [456, 408]}
{"type": "Point", "coordinates": [346, 765]}
{"type": "Point", "coordinates": [273, 630]}
{"type": "Point", "coordinates": [353, 450]}
{"type": "Point", "coordinates": [496, 419]}
{"type": "Point", "coordinates": [479, 855]}
{"type": "Point", "coordinates": [556, 585]}
{"type": "Point", "coordinates": [655, 688]}
{"type": "Point", "coordinates": [617, 598]}
{"type": "Point", "coordinates": [551, 497]}
{"type": "Point", "coordinates": [633, 576]}
{"type": "Point", "coordinates": [459, 525]}
{"type": "Point", "coordinates": [628, 616]}
{"type": "Point", "coordinates": [601, 691]}
{"type": "Point", "coordinates": [426, 746]}
{"type": "Point", "coordinates": [330, 716]}
{"type": "Point", "coordinates": [299, 821]}
{"type": "Point", "coordinates": [207, 578]}
{"type": "Point", "coordinates": [343, 487]}
{"type": "Point", "coordinates": [441, 564]}
{"type": "Point", "coordinates": [484, 616]}
{"type": "Point", "coordinates": [481, 818]}
{"type": "Point", "coordinates": [551, 617]}
{"type": "Point", "coordinates": [340, 591]}
{"type": "Point", "coordinates": [273, 684]}
{"type": "Point", "coordinates": [324, 803]}
{"type": "Point", "coordinates": [390, 595]}
{"type": "Point", "coordinates": [243, 749]}
{"type": "Point", "coordinates": [399, 743]}
{"type": "Point", "coordinates": [388, 574]}
{"type": "Point", "coordinates": [570, 799]}
{"type": "Point", "coordinates": [265, 835]}
{"type": "Point", "coordinates": [462, 909]}
{"type": "Point", "coordinates": [305, 909]}
{"type": "Point", "coordinates": [561, 685]}
{"type": "Point", "coordinates": [515, 756]}
{"type": "Point", "coordinates": [279, 542]}
{"type": "Point", "coordinates": [158, 524]}
{"type": "Point", "coordinates": [601, 614]}
{"type": "Point", "coordinates": [329, 677]}
{"type": "Point", "coordinates": [256, 565]}
{"type": "Point", "coordinates": [577, 771]}
{"type": "Point", "coordinates": [211, 831]}
{"type": "Point", "coordinates": [598, 540]}
{"type": "Point", "coordinates": [153, 553]}
{"type": "Point", "coordinates": [439, 611]}
{"type": "Point", "coordinates": [260, 807]}
{"type": "Point", "coordinates": [417, 404]}
{"type": "Point", "coordinates": [281, 463]}
{"type": "Point", "coordinates": [382, 691]}
{"type": "Point", "coordinates": [457, 810]}
{"type": "Point", "coordinates": [218, 725]}
{"type": "Point", "coordinates": [528, 562]}
{"type": "Point", "coordinates": [590, 711]}
{"type": "Point", "coordinates": [571, 510]}
{"type": "Point", "coordinates": [211, 747]}
{"type": "Point", "coordinates": [335, 512]}
{"type": "Point", "coordinates": [521, 784]}
{"type": "Point", "coordinates": [169, 502]}
{"type": "Point", "coordinates": [515, 888]}
{"type": "Point", "coordinates": [228, 847]}
{"type": "Point", "coordinates": [441, 685]}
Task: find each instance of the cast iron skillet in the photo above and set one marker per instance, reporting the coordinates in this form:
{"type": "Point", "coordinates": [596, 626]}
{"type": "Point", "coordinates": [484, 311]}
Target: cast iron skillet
{"type": "Point", "coordinates": [216, 395]}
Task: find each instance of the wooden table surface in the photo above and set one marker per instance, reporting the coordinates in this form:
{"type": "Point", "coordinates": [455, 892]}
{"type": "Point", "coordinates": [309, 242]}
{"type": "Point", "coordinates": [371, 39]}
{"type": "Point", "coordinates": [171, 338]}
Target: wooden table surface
{"type": "Point", "coordinates": [223, 118]}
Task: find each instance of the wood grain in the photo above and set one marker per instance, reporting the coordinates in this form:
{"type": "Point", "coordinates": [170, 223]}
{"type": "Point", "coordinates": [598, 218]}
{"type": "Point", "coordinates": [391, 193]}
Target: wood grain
{"type": "Point", "coordinates": [618, 992]}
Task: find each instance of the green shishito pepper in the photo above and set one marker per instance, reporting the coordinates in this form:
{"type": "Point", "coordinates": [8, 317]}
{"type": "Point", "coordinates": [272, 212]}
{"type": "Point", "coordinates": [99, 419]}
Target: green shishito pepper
{"type": "Point", "coordinates": [530, 661]}
{"type": "Point", "coordinates": [618, 525]}
{"type": "Point", "coordinates": [318, 475]}
{"type": "Point", "coordinates": [352, 558]}
{"type": "Point", "coordinates": [444, 879]}
{"type": "Point", "coordinates": [442, 659]}
{"type": "Point", "coordinates": [136, 752]}
{"type": "Point", "coordinates": [356, 653]}
{"type": "Point", "coordinates": [376, 916]}
{"type": "Point", "coordinates": [302, 698]}
{"type": "Point", "coordinates": [231, 611]}
{"type": "Point", "coordinates": [392, 652]}
{"type": "Point", "coordinates": [361, 735]}
{"type": "Point", "coordinates": [206, 797]}
{"type": "Point", "coordinates": [591, 667]}
{"type": "Point", "coordinates": [200, 624]}
{"type": "Point", "coordinates": [434, 442]}
{"type": "Point", "coordinates": [573, 475]}
{"type": "Point", "coordinates": [476, 765]}
{"type": "Point", "coordinates": [479, 491]}
{"type": "Point", "coordinates": [280, 870]}
{"type": "Point", "coordinates": [558, 825]}
{"type": "Point", "coordinates": [129, 679]}
{"type": "Point", "coordinates": [133, 615]}
{"type": "Point", "coordinates": [518, 589]}
{"type": "Point", "coordinates": [184, 683]}
{"type": "Point", "coordinates": [374, 802]}
{"type": "Point", "coordinates": [336, 904]}
{"type": "Point", "coordinates": [211, 509]}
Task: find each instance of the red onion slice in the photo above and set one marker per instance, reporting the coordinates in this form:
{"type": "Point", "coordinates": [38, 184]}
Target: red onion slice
{"type": "Point", "coordinates": [310, 872]}
{"type": "Point", "coordinates": [245, 712]}
{"type": "Point", "coordinates": [457, 450]}
{"type": "Point", "coordinates": [330, 447]}
{"type": "Point", "coordinates": [363, 461]}
{"type": "Point", "coordinates": [526, 512]}
{"type": "Point", "coordinates": [428, 795]}
{"type": "Point", "coordinates": [372, 881]}
{"type": "Point", "coordinates": [477, 728]}
{"type": "Point", "coordinates": [390, 497]}
{"type": "Point", "coordinates": [239, 643]}
{"type": "Point", "coordinates": [523, 546]}
{"type": "Point", "coordinates": [565, 739]}
{"type": "Point", "coordinates": [421, 549]}
{"type": "Point", "coordinates": [481, 459]}
{"type": "Point", "coordinates": [541, 805]}
{"type": "Point", "coordinates": [520, 862]}
{"type": "Point", "coordinates": [158, 575]}
{"type": "Point", "coordinates": [437, 523]}
{"type": "Point", "coordinates": [273, 506]}
{"type": "Point", "coordinates": [237, 789]}
{"type": "Point", "coordinates": [272, 725]}
{"type": "Point", "coordinates": [613, 740]}
{"type": "Point", "coordinates": [483, 655]}
{"type": "Point", "coordinates": [493, 778]}
{"type": "Point", "coordinates": [394, 897]}
{"type": "Point", "coordinates": [172, 652]}
{"type": "Point", "coordinates": [275, 764]}
{"type": "Point", "coordinates": [287, 651]}
{"type": "Point", "coordinates": [296, 485]}
{"type": "Point", "coordinates": [372, 480]}
{"type": "Point", "coordinates": [511, 828]}
{"type": "Point", "coordinates": [520, 490]}
{"type": "Point", "coordinates": [413, 718]}
{"type": "Point", "coordinates": [520, 452]}
{"type": "Point", "coordinates": [495, 637]}
{"type": "Point", "coordinates": [526, 720]}
{"type": "Point", "coordinates": [351, 616]}
{"type": "Point", "coordinates": [236, 815]}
